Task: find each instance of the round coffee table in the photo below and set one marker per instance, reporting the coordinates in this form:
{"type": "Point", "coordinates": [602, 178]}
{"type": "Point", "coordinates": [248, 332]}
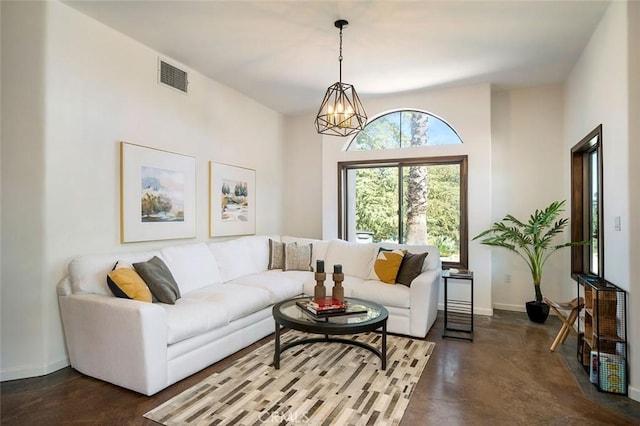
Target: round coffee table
{"type": "Point", "coordinates": [289, 314]}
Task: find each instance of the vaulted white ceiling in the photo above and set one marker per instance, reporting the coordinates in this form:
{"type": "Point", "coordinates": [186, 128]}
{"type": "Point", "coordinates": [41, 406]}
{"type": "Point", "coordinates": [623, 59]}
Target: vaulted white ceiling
{"type": "Point", "coordinates": [284, 54]}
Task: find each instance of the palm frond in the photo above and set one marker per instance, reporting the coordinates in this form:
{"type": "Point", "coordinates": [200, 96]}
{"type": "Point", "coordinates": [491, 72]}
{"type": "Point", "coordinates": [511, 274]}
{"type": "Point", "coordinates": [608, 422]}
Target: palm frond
{"type": "Point", "coordinates": [530, 240]}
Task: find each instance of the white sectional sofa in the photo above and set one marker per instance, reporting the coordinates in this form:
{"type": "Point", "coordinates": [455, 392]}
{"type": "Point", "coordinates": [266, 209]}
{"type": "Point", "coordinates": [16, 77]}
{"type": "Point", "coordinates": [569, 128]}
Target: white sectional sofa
{"type": "Point", "coordinates": [227, 293]}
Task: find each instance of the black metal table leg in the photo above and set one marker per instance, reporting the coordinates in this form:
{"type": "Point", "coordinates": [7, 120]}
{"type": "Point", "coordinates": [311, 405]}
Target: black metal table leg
{"type": "Point", "coordinates": [276, 355]}
{"type": "Point", "coordinates": [383, 355]}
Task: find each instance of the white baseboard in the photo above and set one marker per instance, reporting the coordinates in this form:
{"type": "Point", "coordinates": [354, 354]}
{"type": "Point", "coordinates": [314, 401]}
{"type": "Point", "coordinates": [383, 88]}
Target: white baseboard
{"type": "Point", "coordinates": [506, 307]}
{"type": "Point", "coordinates": [483, 311]}
{"type": "Point", "coordinates": [27, 372]}
{"type": "Point", "coordinates": [634, 393]}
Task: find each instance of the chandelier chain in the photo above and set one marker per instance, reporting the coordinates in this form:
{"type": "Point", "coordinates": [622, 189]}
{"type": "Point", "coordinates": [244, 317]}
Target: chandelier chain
{"type": "Point", "coordinates": [340, 57]}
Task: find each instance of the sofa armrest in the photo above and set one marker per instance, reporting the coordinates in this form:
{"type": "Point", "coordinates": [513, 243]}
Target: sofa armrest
{"type": "Point", "coordinates": [121, 341]}
{"type": "Point", "coordinates": [425, 289]}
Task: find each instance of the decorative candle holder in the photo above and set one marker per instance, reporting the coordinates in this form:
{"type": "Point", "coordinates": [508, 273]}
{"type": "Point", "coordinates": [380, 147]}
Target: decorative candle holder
{"type": "Point", "coordinates": [319, 292]}
{"type": "Point", "coordinates": [338, 290]}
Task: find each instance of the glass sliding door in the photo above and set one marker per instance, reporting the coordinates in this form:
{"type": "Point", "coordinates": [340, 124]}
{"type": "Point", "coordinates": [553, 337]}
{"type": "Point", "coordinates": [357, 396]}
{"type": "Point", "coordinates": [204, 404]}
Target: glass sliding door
{"type": "Point", "coordinates": [431, 208]}
{"type": "Point", "coordinates": [410, 202]}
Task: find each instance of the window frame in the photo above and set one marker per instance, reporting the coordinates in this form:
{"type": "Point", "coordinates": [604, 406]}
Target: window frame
{"type": "Point", "coordinates": [581, 217]}
{"type": "Point", "coordinates": [462, 160]}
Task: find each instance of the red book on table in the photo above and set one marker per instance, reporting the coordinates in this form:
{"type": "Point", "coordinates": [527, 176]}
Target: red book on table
{"type": "Point", "coordinates": [326, 303]}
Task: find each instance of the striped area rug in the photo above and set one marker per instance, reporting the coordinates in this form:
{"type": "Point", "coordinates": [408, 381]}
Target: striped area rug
{"type": "Point", "coordinates": [317, 384]}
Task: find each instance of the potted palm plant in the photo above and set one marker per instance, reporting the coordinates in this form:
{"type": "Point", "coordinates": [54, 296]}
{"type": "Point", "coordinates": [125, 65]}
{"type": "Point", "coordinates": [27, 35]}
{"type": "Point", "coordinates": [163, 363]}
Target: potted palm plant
{"type": "Point", "coordinates": [532, 241]}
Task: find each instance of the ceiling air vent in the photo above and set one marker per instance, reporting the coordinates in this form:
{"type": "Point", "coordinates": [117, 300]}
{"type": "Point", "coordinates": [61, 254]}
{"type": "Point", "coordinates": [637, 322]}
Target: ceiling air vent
{"type": "Point", "coordinates": [172, 76]}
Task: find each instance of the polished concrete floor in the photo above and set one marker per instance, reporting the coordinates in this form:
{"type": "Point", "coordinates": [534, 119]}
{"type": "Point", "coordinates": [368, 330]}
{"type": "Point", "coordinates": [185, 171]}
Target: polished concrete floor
{"type": "Point", "coordinates": [506, 376]}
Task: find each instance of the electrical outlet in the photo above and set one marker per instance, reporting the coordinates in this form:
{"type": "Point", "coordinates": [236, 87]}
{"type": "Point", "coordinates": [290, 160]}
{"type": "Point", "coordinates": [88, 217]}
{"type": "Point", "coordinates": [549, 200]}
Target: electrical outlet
{"type": "Point", "coordinates": [507, 278]}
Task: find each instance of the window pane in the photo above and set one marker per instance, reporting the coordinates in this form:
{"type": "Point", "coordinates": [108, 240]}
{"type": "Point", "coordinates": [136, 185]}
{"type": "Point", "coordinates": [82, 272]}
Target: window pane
{"type": "Point", "coordinates": [404, 129]}
{"type": "Point", "coordinates": [381, 133]}
{"type": "Point", "coordinates": [376, 207]}
{"type": "Point", "coordinates": [595, 214]}
{"type": "Point", "coordinates": [431, 208]}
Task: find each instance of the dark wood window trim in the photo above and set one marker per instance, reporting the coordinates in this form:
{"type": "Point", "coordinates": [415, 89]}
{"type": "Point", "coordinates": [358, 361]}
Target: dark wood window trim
{"type": "Point", "coordinates": [581, 203]}
{"type": "Point", "coordinates": [345, 166]}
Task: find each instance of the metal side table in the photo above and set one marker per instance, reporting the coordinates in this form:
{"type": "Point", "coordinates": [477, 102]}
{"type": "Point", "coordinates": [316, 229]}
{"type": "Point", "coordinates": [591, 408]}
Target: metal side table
{"type": "Point", "coordinates": [458, 311]}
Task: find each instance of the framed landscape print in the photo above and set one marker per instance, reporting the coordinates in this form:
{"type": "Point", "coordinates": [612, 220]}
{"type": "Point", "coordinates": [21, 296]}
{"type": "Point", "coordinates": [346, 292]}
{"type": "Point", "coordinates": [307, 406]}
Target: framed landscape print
{"type": "Point", "coordinates": [232, 200]}
{"type": "Point", "coordinates": [158, 194]}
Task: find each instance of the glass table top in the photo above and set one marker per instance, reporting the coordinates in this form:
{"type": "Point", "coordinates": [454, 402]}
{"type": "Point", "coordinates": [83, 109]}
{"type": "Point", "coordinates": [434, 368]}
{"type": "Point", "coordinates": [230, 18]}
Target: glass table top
{"type": "Point", "coordinates": [292, 312]}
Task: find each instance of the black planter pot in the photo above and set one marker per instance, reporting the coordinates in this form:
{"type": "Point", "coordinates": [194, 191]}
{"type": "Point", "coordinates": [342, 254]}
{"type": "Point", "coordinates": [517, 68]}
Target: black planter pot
{"type": "Point", "coordinates": [537, 311]}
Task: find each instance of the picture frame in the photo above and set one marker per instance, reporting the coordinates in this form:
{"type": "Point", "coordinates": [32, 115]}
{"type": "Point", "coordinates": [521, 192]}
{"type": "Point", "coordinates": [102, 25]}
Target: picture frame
{"type": "Point", "coordinates": [158, 194]}
{"type": "Point", "coordinates": [232, 200]}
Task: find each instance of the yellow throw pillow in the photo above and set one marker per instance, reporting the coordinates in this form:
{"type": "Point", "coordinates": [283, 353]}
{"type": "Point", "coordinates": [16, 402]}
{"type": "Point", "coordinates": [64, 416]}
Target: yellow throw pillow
{"type": "Point", "coordinates": [387, 265]}
{"type": "Point", "coordinates": [126, 283]}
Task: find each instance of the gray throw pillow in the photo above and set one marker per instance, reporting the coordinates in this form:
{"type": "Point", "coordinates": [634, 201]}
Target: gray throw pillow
{"type": "Point", "coordinates": [159, 279]}
{"type": "Point", "coordinates": [276, 255]}
{"type": "Point", "coordinates": [410, 268]}
{"type": "Point", "coordinates": [297, 257]}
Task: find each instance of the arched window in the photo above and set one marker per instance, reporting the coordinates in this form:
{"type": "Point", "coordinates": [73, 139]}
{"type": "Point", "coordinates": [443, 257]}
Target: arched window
{"type": "Point", "coordinates": [416, 200]}
{"type": "Point", "coordinates": [405, 128]}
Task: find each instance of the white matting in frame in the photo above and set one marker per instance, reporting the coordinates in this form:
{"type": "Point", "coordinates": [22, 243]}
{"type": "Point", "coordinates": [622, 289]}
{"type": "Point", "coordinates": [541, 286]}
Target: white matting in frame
{"type": "Point", "coordinates": [158, 194]}
{"type": "Point", "coordinates": [232, 200]}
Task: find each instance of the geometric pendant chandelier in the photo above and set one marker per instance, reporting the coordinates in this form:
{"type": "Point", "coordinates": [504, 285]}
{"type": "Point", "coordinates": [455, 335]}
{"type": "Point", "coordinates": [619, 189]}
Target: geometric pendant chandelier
{"type": "Point", "coordinates": [341, 112]}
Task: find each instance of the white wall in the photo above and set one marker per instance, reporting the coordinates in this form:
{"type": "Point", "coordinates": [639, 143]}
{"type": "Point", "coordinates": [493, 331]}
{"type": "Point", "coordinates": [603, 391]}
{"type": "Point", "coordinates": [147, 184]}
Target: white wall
{"type": "Point", "coordinates": [303, 178]}
{"type": "Point", "coordinates": [72, 90]}
{"type": "Point", "coordinates": [528, 169]}
{"type": "Point", "coordinates": [23, 170]}
{"type": "Point", "coordinates": [597, 91]}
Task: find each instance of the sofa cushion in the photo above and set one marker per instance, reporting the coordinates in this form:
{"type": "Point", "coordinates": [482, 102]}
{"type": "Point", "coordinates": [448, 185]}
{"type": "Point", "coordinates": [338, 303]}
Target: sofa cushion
{"type": "Point", "coordinates": [238, 300]}
{"type": "Point", "coordinates": [190, 317]}
{"type": "Point", "coordinates": [87, 273]}
{"type": "Point", "coordinates": [280, 285]}
{"type": "Point", "coordinates": [159, 279]}
{"type": "Point", "coordinates": [398, 296]}
{"type": "Point", "coordinates": [276, 255]}
{"type": "Point", "coordinates": [241, 256]}
{"type": "Point", "coordinates": [124, 282]}
{"type": "Point", "coordinates": [356, 259]}
{"type": "Point", "coordinates": [411, 267]}
{"type": "Point", "coordinates": [386, 266]}
{"type": "Point", "coordinates": [297, 257]}
{"type": "Point", "coordinates": [192, 265]}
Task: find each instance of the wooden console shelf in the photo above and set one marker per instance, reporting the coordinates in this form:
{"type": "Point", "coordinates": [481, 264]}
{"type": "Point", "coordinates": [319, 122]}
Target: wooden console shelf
{"type": "Point", "coordinates": [602, 334]}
